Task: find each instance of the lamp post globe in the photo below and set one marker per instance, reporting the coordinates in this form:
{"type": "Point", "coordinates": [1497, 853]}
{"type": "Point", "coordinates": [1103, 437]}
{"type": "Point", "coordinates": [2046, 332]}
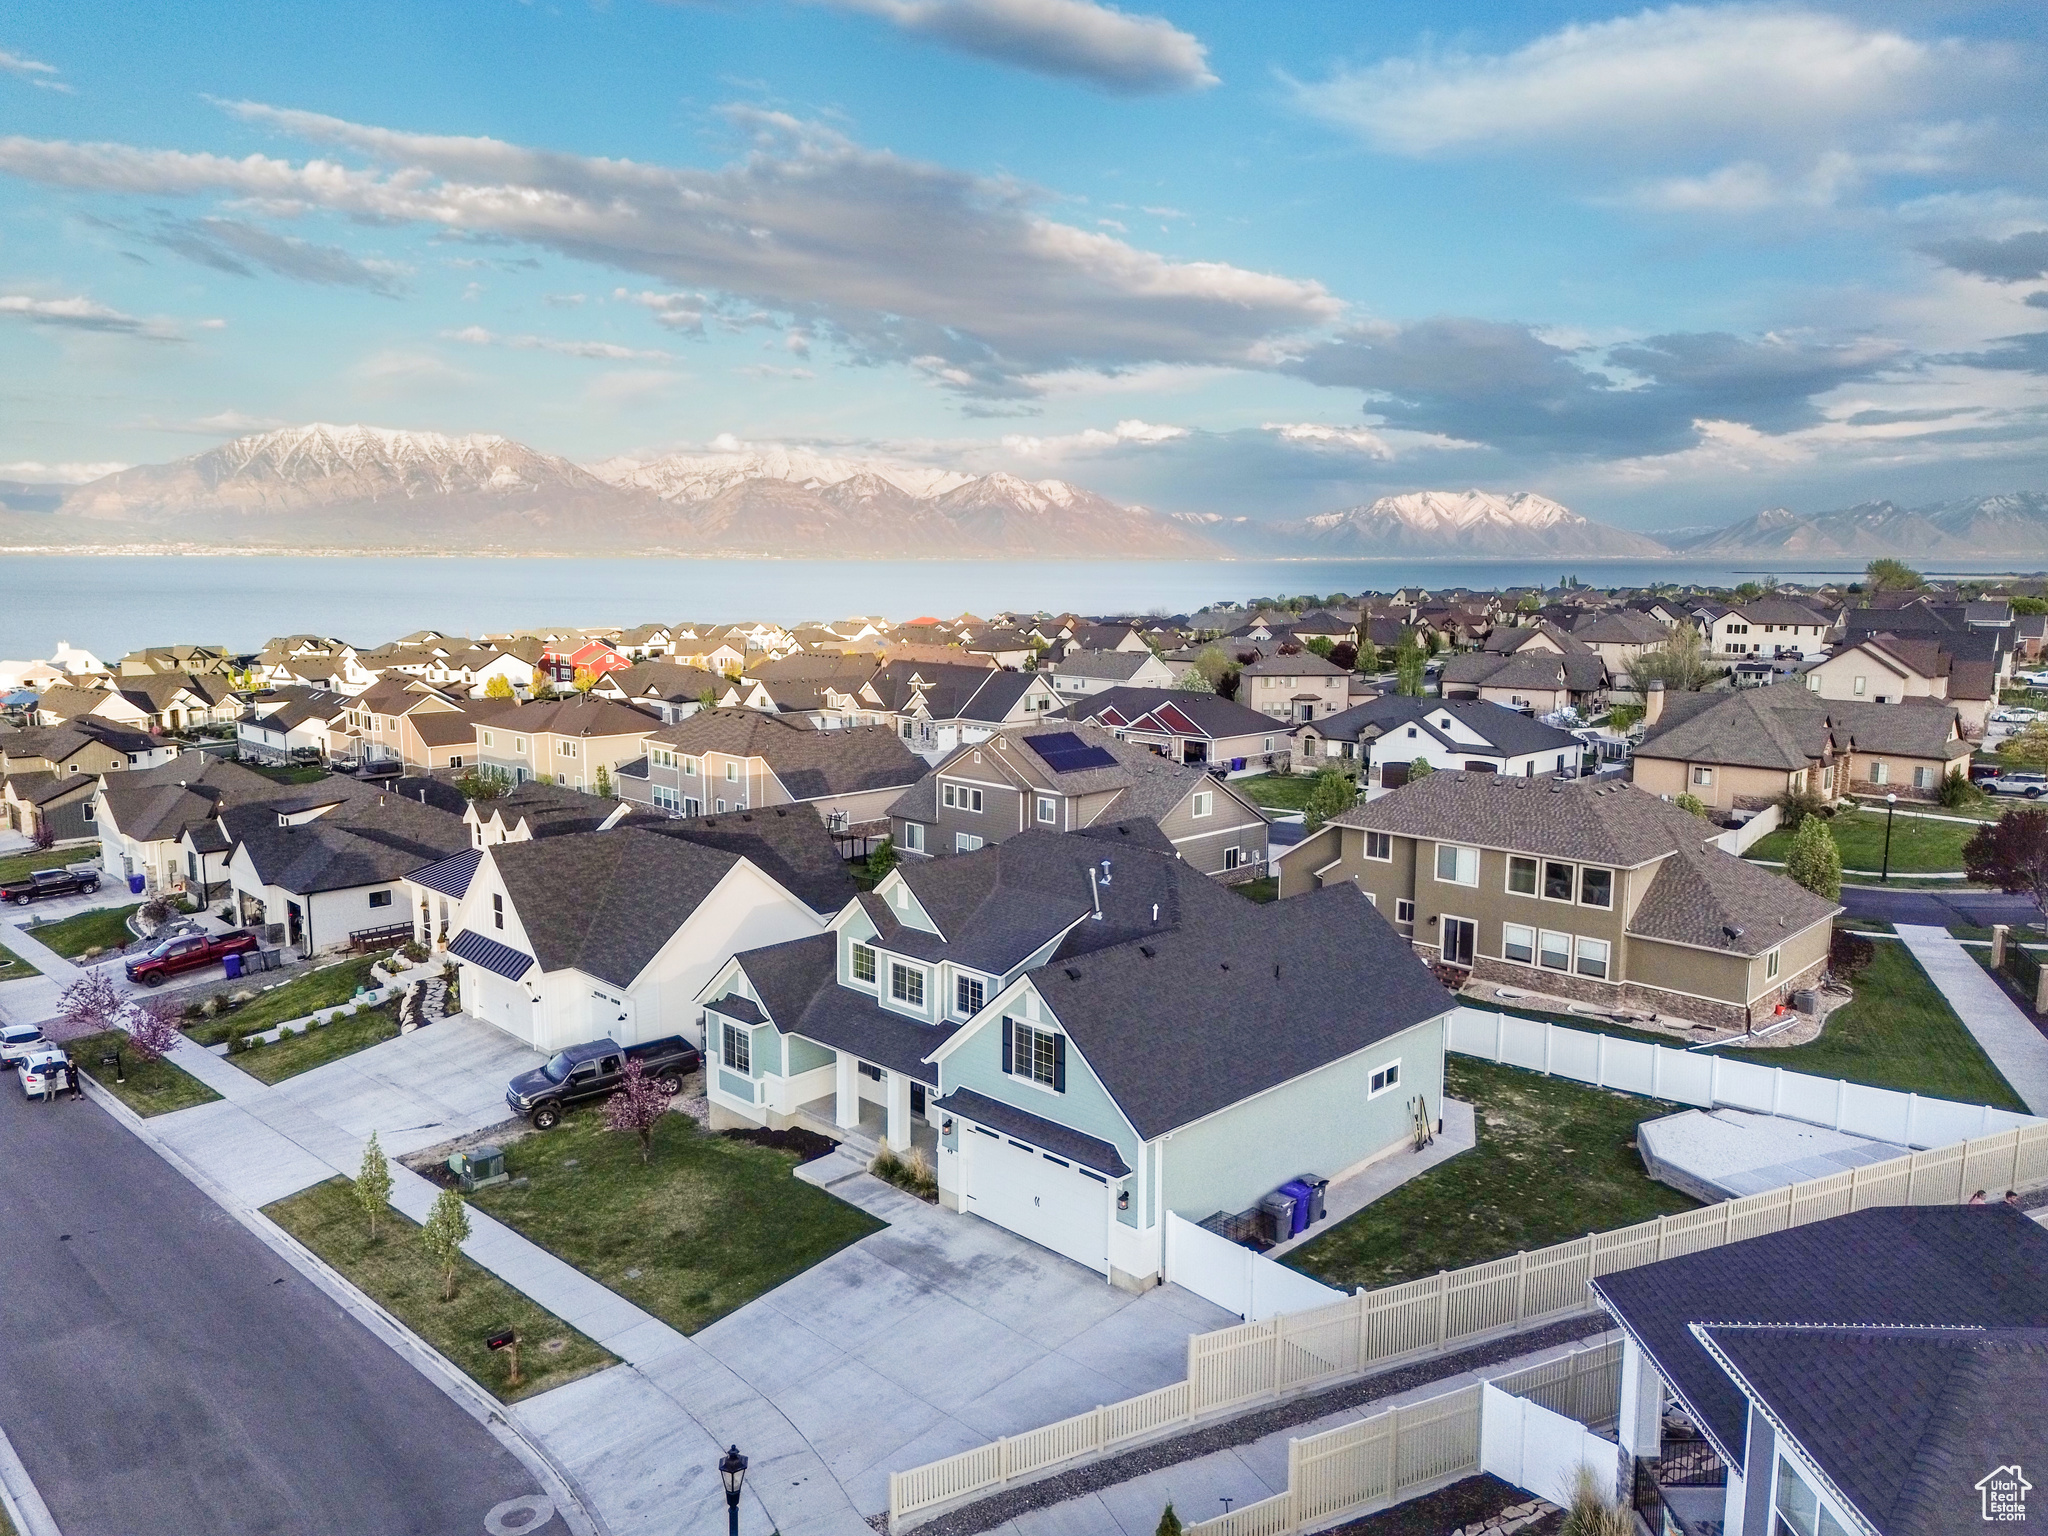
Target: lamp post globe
{"type": "Point", "coordinates": [732, 1471]}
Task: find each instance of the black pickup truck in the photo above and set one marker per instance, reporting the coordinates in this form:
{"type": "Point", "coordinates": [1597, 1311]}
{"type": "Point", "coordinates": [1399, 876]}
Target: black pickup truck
{"type": "Point", "coordinates": [592, 1070]}
{"type": "Point", "coordinates": [49, 882]}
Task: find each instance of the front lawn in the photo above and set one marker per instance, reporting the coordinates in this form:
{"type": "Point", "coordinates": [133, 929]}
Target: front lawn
{"type": "Point", "coordinates": [316, 1046]}
{"type": "Point", "coordinates": [1919, 845]}
{"type": "Point", "coordinates": [16, 865]}
{"type": "Point", "coordinates": [105, 928]}
{"type": "Point", "coordinates": [13, 967]}
{"type": "Point", "coordinates": [1277, 791]}
{"type": "Point", "coordinates": [153, 1087]}
{"type": "Point", "coordinates": [324, 988]}
{"type": "Point", "coordinates": [1555, 1160]}
{"type": "Point", "coordinates": [711, 1223]}
{"type": "Point", "coordinates": [396, 1270]}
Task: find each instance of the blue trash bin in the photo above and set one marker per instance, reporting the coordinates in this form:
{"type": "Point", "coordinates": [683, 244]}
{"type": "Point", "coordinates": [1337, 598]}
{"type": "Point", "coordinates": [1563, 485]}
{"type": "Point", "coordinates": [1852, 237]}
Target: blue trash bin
{"type": "Point", "coordinates": [232, 964]}
{"type": "Point", "coordinates": [1299, 1193]}
{"type": "Point", "coordinates": [135, 884]}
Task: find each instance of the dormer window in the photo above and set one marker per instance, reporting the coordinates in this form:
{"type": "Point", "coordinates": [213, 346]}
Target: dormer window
{"type": "Point", "coordinates": [863, 963]}
{"type": "Point", "coordinates": [906, 984]}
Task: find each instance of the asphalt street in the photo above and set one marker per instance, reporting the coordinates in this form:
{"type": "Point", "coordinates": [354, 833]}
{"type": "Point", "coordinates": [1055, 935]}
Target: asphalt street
{"type": "Point", "coordinates": [1938, 908]}
{"type": "Point", "coordinates": [162, 1370]}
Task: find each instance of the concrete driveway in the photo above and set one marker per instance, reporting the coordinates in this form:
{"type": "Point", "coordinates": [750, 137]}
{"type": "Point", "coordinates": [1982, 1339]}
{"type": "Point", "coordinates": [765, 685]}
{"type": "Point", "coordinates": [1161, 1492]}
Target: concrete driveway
{"type": "Point", "coordinates": [942, 1333]}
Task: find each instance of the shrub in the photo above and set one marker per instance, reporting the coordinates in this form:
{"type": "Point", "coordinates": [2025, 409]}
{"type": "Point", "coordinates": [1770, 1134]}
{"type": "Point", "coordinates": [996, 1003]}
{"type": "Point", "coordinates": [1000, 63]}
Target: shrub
{"type": "Point", "coordinates": [1169, 1523]}
{"type": "Point", "coordinates": [413, 950]}
{"type": "Point", "coordinates": [155, 910]}
{"type": "Point", "coordinates": [1592, 1513]}
{"type": "Point", "coordinates": [1957, 793]}
{"type": "Point", "coordinates": [1795, 807]}
{"type": "Point", "coordinates": [226, 913]}
{"type": "Point", "coordinates": [1333, 793]}
{"type": "Point", "coordinates": [1814, 860]}
{"type": "Point", "coordinates": [881, 859]}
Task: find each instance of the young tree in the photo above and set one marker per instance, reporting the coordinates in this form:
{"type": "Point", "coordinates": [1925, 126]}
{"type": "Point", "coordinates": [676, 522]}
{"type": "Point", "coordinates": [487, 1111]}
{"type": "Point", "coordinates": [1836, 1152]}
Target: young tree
{"type": "Point", "coordinates": [1194, 681]}
{"type": "Point", "coordinates": [636, 1107]}
{"type": "Point", "coordinates": [604, 782]}
{"type": "Point", "coordinates": [1333, 793]}
{"type": "Point", "coordinates": [481, 784]}
{"type": "Point", "coordinates": [1681, 663]}
{"type": "Point", "coordinates": [373, 1183]}
{"type": "Point", "coordinates": [153, 1029]}
{"type": "Point", "coordinates": [1169, 1523]}
{"type": "Point", "coordinates": [1409, 665]}
{"type": "Point", "coordinates": [1889, 575]}
{"type": "Point", "coordinates": [708, 699]}
{"type": "Point", "coordinates": [1320, 645]}
{"type": "Point", "coordinates": [881, 859]}
{"type": "Point", "coordinates": [2012, 854]}
{"type": "Point", "coordinates": [93, 1002]}
{"type": "Point", "coordinates": [447, 1229]}
{"type": "Point", "coordinates": [1814, 861]}
{"type": "Point", "coordinates": [1421, 768]}
{"type": "Point", "coordinates": [584, 681]}
{"type": "Point", "coordinates": [1343, 654]}
{"type": "Point", "coordinates": [1369, 658]}
{"type": "Point", "coordinates": [499, 687]}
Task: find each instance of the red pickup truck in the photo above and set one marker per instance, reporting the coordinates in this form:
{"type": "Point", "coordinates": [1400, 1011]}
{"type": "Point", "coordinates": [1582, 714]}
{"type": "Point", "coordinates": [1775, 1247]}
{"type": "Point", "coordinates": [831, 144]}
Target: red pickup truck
{"type": "Point", "coordinates": [187, 952]}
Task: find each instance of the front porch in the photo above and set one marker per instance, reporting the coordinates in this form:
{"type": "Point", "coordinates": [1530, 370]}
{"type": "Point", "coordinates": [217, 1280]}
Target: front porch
{"type": "Point", "coordinates": [869, 1129]}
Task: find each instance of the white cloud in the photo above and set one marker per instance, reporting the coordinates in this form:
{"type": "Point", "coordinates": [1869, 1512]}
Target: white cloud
{"type": "Point", "coordinates": [1072, 39]}
{"type": "Point", "coordinates": [1131, 433]}
{"type": "Point", "coordinates": [70, 473]}
{"type": "Point", "coordinates": [395, 370]}
{"type": "Point", "coordinates": [220, 423]}
{"type": "Point", "coordinates": [477, 336]}
{"type": "Point", "coordinates": [1317, 435]}
{"type": "Point", "coordinates": [33, 71]}
{"type": "Point", "coordinates": [82, 314]}
{"type": "Point", "coordinates": [893, 260]}
{"type": "Point", "coordinates": [1746, 70]}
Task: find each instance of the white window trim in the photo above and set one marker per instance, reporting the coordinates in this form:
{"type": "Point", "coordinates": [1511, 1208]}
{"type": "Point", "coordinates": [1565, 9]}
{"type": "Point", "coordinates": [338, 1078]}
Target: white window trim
{"type": "Point", "coordinates": [853, 975]}
{"type": "Point", "coordinates": [1204, 804]}
{"type": "Point", "coordinates": [1401, 903]}
{"type": "Point", "coordinates": [1379, 858]}
{"type": "Point", "coordinates": [1771, 965]}
{"type": "Point", "coordinates": [1580, 944]}
{"type": "Point", "coordinates": [1525, 928]}
{"type": "Point", "coordinates": [1384, 1067]}
{"type": "Point", "coordinates": [901, 967]}
{"type": "Point", "coordinates": [1461, 848]}
{"type": "Point", "coordinates": [1543, 948]}
{"type": "Point", "coordinates": [1017, 1027]}
{"type": "Point", "coordinates": [1594, 906]}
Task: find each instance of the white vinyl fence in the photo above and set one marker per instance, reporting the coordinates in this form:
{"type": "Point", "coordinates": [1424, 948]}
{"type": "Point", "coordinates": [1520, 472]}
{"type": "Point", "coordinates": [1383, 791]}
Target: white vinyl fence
{"type": "Point", "coordinates": [1526, 1444]}
{"type": "Point", "coordinates": [1234, 1277]}
{"type": "Point", "coordinates": [1712, 1082]}
{"type": "Point", "coordinates": [1234, 1368]}
{"type": "Point", "coordinates": [1407, 1451]}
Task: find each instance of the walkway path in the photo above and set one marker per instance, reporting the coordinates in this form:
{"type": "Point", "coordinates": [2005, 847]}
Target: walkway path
{"type": "Point", "coordinates": [2009, 1038]}
{"type": "Point", "coordinates": [34, 999]}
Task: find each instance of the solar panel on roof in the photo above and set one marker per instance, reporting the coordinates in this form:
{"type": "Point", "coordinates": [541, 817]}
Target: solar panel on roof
{"type": "Point", "coordinates": [1064, 752]}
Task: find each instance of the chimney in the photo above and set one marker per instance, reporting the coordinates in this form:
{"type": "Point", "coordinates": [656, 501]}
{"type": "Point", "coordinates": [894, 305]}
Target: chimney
{"type": "Point", "coordinates": [1653, 702]}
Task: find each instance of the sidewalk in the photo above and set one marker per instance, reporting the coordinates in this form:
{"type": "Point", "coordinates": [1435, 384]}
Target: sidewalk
{"type": "Point", "coordinates": [2009, 1038]}
{"type": "Point", "coordinates": [33, 999]}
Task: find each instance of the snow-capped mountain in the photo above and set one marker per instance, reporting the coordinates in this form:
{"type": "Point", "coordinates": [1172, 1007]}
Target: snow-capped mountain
{"type": "Point", "coordinates": [692, 477]}
{"type": "Point", "coordinates": [1464, 523]}
{"type": "Point", "coordinates": [2013, 524]}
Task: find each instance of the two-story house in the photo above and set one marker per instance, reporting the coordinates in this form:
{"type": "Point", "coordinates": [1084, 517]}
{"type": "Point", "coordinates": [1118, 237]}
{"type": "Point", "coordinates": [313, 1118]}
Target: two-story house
{"type": "Point", "coordinates": [141, 816]}
{"type": "Point", "coordinates": [1382, 740]}
{"type": "Point", "coordinates": [937, 707]}
{"type": "Point", "coordinates": [1536, 668]}
{"type": "Point", "coordinates": [741, 759]}
{"type": "Point", "coordinates": [413, 722]}
{"type": "Point", "coordinates": [1293, 687]}
{"type": "Point", "coordinates": [1619, 637]}
{"type": "Point", "coordinates": [533, 809]}
{"type": "Point", "coordinates": [565, 741]}
{"type": "Point", "coordinates": [1050, 1020]}
{"type": "Point", "coordinates": [673, 693]}
{"type": "Point", "coordinates": [50, 775]}
{"type": "Point", "coordinates": [1580, 889]}
{"type": "Point", "coordinates": [1199, 729]}
{"type": "Point", "coordinates": [288, 721]}
{"type": "Point", "coordinates": [1067, 775]}
{"type": "Point", "coordinates": [1774, 628]}
{"type": "Point", "coordinates": [1084, 672]}
{"type": "Point", "coordinates": [1885, 669]}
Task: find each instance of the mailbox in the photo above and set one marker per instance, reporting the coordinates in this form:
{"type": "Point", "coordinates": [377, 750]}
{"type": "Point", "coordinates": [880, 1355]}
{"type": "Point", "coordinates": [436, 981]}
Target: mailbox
{"type": "Point", "coordinates": [478, 1168]}
{"type": "Point", "coordinates": [503, 1340]}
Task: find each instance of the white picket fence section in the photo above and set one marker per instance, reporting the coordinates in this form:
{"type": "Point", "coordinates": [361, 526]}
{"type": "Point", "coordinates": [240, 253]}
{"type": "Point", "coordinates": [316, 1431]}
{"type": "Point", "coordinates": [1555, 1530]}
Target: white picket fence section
{"type": "Point", "coordinates": [1526, 1444]}
{"type": "Point", "coordinates": [1709, 1081]}
{"type": "Point", "coordinates": [1235, 1278]}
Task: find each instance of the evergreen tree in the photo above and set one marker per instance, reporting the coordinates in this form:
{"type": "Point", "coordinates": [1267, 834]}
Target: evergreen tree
{"type": "Point", "coordinates": [1814, 861]}
{"type": "Point", "coordinates": [1333, 793]}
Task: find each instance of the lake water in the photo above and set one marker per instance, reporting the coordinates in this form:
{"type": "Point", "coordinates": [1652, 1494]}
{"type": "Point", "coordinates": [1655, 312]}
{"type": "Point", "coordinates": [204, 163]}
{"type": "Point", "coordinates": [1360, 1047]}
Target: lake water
{"type": "Point", "coordinates": [111, 604]}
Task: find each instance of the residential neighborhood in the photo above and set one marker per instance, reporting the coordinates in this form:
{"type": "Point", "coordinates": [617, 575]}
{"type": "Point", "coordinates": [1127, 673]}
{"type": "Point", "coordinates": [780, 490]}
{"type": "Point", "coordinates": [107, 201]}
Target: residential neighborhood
{"type": "Point", "coordinates": [1214, 978]}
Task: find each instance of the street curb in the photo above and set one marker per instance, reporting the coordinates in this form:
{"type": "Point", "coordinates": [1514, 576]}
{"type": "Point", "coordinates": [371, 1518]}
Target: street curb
{"type": "Point", "coordinates": [570, 1503]}
{"type": "Point", "coordinates": [25, 1507]}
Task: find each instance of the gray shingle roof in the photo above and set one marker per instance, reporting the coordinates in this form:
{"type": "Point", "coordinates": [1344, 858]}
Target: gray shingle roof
{"type": "Point", "coordinates": [1790, 727]}
{"type": "Point", "coordinates": [1211, 715]}
{"type": "Point", "coordinates": [788, 844]}
{"type": "Point", "coordinates": [1712, 900]}
{"type": "Point", "coordinates": [1510, 732]}
{"type": "Point", "coordinates": [1115, 666]}
{"type": "Point", "coordinates": [1599, 823]}
{"type": "Point", "coordinates": [810, 764]}
{"type": "Point", "coordinates": [158, 804]}
{"type": "Point", "coordinates": [364, 841]}
{"type": "Point", "coordinates": [1047, 1135]}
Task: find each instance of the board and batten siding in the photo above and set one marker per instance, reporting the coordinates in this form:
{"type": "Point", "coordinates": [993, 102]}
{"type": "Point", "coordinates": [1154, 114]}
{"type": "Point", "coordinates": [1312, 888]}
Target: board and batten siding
{"type": "Point", "coordinates": [1321, 1123]}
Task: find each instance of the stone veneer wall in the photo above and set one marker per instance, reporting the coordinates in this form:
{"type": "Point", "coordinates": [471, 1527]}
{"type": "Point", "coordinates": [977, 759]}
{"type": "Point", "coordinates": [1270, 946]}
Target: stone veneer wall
{"type": "Point", "coordinates": [1636, 995]}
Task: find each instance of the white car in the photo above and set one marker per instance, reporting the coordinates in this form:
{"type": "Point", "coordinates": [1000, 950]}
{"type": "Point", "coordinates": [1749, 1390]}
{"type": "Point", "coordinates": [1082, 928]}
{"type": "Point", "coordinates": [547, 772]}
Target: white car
{"type": "Point", "coordinates": [17, 1041]}
{"type": "Point", "coordinates": [42, 1072]}
{"type": "Point", "coordinates": [2031, 785]}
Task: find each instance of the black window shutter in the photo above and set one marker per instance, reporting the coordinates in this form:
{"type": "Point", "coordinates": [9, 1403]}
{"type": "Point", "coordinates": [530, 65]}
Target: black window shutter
{"type": "Point", "coordinates": [1059, 1063]}
{"type": "Point", "coordinates": [1006, 1045]}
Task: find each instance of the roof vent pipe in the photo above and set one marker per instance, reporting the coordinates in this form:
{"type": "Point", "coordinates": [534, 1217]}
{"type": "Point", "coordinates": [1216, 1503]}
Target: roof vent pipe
{"type": "Point", "coordinates": [1095, 893]}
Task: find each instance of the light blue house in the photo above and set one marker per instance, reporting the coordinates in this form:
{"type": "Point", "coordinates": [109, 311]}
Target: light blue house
{"type": "Point", "coordinates": [1083, 1032]}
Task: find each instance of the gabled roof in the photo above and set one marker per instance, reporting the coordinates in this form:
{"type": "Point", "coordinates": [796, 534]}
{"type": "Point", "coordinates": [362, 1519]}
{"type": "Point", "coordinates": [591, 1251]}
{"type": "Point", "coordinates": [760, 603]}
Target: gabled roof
{"type": "Point", "coordinates": [1710, 899]}
{"type": "Point", "coordinates": [798, 983]}
{"type": "Point", "coordinates": [157, 804]}
{"type": "Point", "coordinates": [1506, 732]}
{"type": "Point", "coordinates": [451, 876]}
{"type": "Point", "coordinates": [1116, 666]}
{"type": "Point", "coordinates": [1583, 819]}
{"type": "Point", "coordinates": [810, 764]}
{"type": "Point", "coordinates": [55, 743]}
{"type": "Point", "coordinates": [364, 841]}
{"type": "Point", "coordinates": [787, 843]}
{"type": "Point", "coordinates": [575, 717]}
{"type": "Point", "coordinates": [1302, 664]}
{"type": "Point", "coordinates": [1623, 626]}
{"type": "Point", "coordinates": [1534, 670]}
{"type": "Point", "coordinates": [1173, 711]}
{"type": "Point", "coordinates": [1789, 727]}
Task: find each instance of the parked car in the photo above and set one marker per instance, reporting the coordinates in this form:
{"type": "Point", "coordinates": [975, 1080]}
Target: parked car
{"type": "Point", "coordinates": [50, 882]}
{"type": "Point", "coordinates": [187, 952]}
{"type": "Point", "coordinates": [592, 1070]}
{"type": "Point", "coordinates": [18, 1041]}
{"type": "Point", "coordinates": [42, 1072]}
{"type": "Point", "coordinates": [2032, 785]}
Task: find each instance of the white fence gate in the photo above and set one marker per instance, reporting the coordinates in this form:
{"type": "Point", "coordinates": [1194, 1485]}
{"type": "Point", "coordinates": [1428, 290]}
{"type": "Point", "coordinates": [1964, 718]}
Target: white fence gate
{"type": "Point", "coordinates": [1524, 1443]}
{"type": "Point", "coordinates": [1235, 1278]}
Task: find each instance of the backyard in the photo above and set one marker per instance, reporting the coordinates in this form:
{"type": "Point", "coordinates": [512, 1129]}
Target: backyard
{"type": "Point", "coordinates": [105, 928]}
{"type": "Point", "coordinates": [322, 988]}
{"type": "Point", "coordinates": [396, 1270]}
{"type": "Point", "coordinates": [712, 1222]}
{"type": "Point", "coordinates": [1277, 791]}
{"type": "Point", "coordinates": [297, 773]}
{"type": "Point", "coordinates": [316, 1045]}
{"type": "Point", "coordinates": [152, 1087]}
{"type": "Point", "coordinates": [1555, 1160]}
{"type": "Point", "coordinates": [1919, 845]}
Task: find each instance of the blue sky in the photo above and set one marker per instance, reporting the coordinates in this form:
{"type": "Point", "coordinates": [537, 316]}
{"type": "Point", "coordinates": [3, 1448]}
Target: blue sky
{"type": "Point", "coordinates": [1667, 265]}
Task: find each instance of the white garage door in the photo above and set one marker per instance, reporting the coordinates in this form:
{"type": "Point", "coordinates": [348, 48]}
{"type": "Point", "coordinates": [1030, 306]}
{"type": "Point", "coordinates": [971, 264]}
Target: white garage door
{"type": "Point", "coordinates": [1037, 1198]}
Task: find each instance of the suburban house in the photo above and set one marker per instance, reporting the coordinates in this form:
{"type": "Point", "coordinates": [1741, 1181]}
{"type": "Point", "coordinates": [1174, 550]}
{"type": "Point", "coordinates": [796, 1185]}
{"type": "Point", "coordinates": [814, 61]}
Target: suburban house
{"type": "Point", "coordinates": [1380, 741]}
{"type": "Point", "coordinates": [1774, 628]}
{"type": "Point", "coordinates": [81, 748]}
{"type": "Point", "coordinates": [1619, 637]}
{"type": "Point", "coordinates": [417, 724]}
{"type": "Point", "coordinates": [141, 816]}
{"type": "Point", "coordinates": [615, 933]}
{"type": "Point", "coordinates": [1099, 637]}
{"type": "Point", "coordinates": [1039, 1018]}
{"type": "Point", "coordinates": [533, 809]}
{"type": "Point", "coordinates": [563, 659]}
{"type": "Point", "coordinates": [287, 721]}
{"type": "Point", "coordinates": [1085, 672]}
{"type": "Point", "coordinates": [39, 801]}
{"type": "Point", "coordinates": [1200, 729]}
{"type": "Point", "coordinates": [938, 707]}
{"type": "Point", "coordinates": [1064, 776]}
{"type": "Point", "coordinates": [1748, 749]}
{"type": "Point", "coordinates": [1884, 669]}
{"type": "Point", "coordinates": [157, 659]}
{"type": "Point", "coordinates": [1293, 687]}
{"type": "Point", "coordinates": [1980, 631]}
{"type": "Point", "coordinates": [673, 693]}
{"type": "Point", "coordinates": [1580, 889]}
{"type": "Point", "coordinates": [311, 661]}
{"type": "Point", "coordinates": [740, 759]}
{"type": "Point", "coordinates": [156, 703]}
{"type": "Point", "coordinates": [567, 741]}
{"type": "Point", "coordinates": [1879, 1372]}
{"type": "Point", "coordinates": [1536, 668]}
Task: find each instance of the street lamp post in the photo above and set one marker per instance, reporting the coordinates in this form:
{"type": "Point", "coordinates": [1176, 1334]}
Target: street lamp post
{"type": "Point", "coordinates": [732, 1470]}
{"type": "Point", "coordinates": [1891, 804]}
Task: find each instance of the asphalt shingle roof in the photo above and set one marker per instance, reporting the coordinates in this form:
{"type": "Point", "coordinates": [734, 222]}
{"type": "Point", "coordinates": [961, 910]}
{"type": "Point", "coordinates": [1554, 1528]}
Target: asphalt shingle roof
{"type": "Point", "coordinates": [1791, 727]}
{"type": "Point", "coordinates": [1047, 1135]}
{"type": "Point", "coordinates": [787, 843]}
{"type": "Point", "coordinates": [1211, 715]}
{"type": "Point", "coordinates": [1509, 732]}
{"type": "Point", "coordinates": [364, 841]}
{"type": "Point", "coordinates": [809, 763]}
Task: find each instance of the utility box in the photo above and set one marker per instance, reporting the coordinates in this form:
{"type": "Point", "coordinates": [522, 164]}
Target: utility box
{"type": "Point", "coordinates": [479, 1168]}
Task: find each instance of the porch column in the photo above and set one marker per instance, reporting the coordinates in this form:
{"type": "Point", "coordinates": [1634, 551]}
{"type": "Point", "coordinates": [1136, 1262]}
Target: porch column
{"type": "Point", "coordinates": [1642, 1415]}
{"type": "Point", "coordinates": [1747, 1510]}
{"type": "Point", "coordinates": [846, 1111]}
{"type": "Point", "coordinates": [897, 1086]}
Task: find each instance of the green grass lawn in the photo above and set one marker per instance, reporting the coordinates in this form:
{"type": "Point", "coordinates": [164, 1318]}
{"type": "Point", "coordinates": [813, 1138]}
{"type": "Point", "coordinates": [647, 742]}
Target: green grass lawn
{"type": "Point", "coordinates": [315, 1047]}
{"type": "Point", "coordinates": [153, 1088]}
{"type": "Point", "coordinates": [106, 928]}
{"type": "Point", "coordinates": [1277, 791]}
{"type": "Point", "coordinates": [306, 994]}
{"type": "Point", "coordinates": [1265, 888]}
{"type": "Point", "coordinates": [395, 1269]}
{"type": "Point", "coordinates": [711, 1223]}
{"type": "Point", "coordinates": [13, 967]}
{"type": "Point", "coordinates": [297, 773]}
{"type": "Point", "coordinates": [1555, 1160]}
{"type": "Point", "coordinates": [1918, 844]}
{"type": "Point", "coordinates": [15, 865]}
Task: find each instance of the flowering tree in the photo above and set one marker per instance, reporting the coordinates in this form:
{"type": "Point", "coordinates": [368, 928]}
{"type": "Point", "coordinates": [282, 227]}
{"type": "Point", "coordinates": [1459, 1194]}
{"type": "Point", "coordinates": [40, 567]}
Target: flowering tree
{"type": "Point", "coordinates": [94, 1002]}
{"type": "Point", "coordinates": [153, 1029]}
{"type": "Point", "coordinates": [637, 1106]}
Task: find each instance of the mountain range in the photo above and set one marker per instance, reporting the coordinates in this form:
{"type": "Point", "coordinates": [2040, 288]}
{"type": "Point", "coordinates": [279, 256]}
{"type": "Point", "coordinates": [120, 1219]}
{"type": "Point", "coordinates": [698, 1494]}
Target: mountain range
{"type": "Point", "coordinates": [349, 489]}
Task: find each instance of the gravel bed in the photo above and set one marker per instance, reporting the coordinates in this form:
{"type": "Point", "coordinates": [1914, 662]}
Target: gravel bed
{"type": "Point", "coordinates": [986, 1514]}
